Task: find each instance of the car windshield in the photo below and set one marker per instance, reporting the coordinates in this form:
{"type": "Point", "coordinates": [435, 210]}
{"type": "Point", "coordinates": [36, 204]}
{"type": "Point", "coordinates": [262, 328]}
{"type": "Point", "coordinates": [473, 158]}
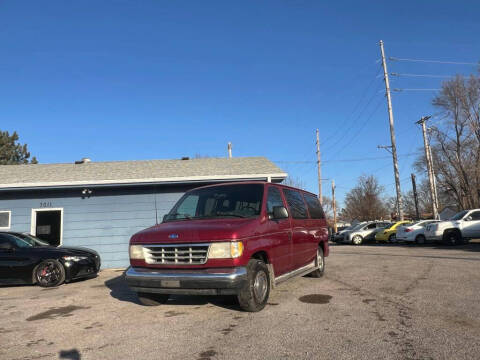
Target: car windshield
{"type": "Point", "coordinates": [235, 201]}
{"type": "Point", "coordinates": [358, 226]}
{"type": "Point", "coordinates": [459, 215]}
{"type": "Point", "coordinates": [389, 226]}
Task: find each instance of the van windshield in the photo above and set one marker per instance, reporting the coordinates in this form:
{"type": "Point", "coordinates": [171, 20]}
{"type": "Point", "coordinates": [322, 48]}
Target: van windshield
{"type": "Point", "coordinates": [235, 201]}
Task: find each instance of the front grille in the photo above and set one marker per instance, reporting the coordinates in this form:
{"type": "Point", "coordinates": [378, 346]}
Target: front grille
{"type": "Point", "coordinates": [176, 254]}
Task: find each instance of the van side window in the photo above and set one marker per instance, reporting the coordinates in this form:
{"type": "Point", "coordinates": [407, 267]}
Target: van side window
{"type": "Point", "coordinates": [274, 198]}
{"type": "Point", "coordinates": [314, 207]}
{"type": "Point", "coordinates": [296, 204]}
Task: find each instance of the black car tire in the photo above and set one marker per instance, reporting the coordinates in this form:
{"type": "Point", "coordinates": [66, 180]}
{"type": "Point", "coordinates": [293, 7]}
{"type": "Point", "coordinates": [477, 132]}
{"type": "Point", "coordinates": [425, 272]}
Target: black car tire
{"type": "Point", "coordinates": [420, 239]}
{"type": "Point", "coordinates": [392, 238]}
{"type": "Point", "coordinates": [49, 273]}
{"type": "Point", "coordinates": [318, 273]}
{"type": "Point", "coordinates": [149, 299]}
{"type": "Point", "coordinates": [452, 237]}
{"type": "Point", "coordinates": [254, 295]}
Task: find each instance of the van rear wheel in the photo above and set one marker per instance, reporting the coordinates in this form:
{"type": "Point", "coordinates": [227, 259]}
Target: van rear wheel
{"type": "Point", "coordinates": [320, 262]}
{"type": "Point", "coordinates": [254, 295]}
{"type": "Point", "coordinates": [149, 299]}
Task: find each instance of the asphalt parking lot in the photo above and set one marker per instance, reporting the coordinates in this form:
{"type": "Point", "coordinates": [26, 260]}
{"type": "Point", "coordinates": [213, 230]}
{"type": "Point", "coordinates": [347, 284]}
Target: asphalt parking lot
{"type": "Point", "coordinates": [375, 302]}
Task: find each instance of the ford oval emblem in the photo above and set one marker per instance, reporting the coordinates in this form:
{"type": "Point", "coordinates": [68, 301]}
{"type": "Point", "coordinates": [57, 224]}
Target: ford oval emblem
{"type": "Point", "coordinates": [173, 236]}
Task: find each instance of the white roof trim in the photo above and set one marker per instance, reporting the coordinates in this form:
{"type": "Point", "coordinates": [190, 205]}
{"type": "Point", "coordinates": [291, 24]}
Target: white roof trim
{"type": "Point", "coordinates": [140, 181]}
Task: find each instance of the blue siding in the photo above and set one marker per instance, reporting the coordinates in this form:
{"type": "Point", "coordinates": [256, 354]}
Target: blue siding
{"type": "Point", "coordinates": [103, 222]}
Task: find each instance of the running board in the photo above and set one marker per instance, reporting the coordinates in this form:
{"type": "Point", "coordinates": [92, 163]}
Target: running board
{"type": "Point", "coordinates": [304, 270]}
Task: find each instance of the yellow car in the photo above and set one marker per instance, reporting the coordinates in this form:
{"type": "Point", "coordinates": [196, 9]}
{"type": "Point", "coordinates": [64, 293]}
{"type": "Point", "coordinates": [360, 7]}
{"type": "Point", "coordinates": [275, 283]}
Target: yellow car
{"type": "Point", "coordinates": [389, 233]}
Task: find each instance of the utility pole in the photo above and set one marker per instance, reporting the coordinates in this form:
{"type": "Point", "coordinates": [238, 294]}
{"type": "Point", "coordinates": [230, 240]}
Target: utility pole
{"type": "Point", "coordinates": [392, 134]}
{"type": "Point", "coordinates": [229, 150]}
{"type": "Point", "coordinates": [334, 208]}
{"type": "Point", "coordinates": [429, 165]}
{"type": "Point", "coordinates": [435, 195]}
{"type": "Point", "coordinates": [415, 196]}
{"type": "Point", "coordinates": [319, 166]}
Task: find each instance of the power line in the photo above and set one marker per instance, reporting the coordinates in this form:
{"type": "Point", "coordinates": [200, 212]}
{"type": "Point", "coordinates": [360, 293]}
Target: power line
{"type": "Point", "coordinates": [355, 108]}
{"type": "Point", "coordinates": [434, 61]}
{"type": "Point", "coordinates": [347, 131]}
{"type": "Point", "coordinates": [362, 126]}
{"type": "Point", "coordinates": [420, 89]}
{"type": "Point", "coordinates": [343, 160]}
{"type": "Point", "coordinates": [421, 75]}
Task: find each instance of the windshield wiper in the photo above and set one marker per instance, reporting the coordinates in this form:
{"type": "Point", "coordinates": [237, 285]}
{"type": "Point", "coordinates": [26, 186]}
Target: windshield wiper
{"type": "Point", "coordinates": [185, 216]}
{"type": "Point", "coordinates": [235, 215]}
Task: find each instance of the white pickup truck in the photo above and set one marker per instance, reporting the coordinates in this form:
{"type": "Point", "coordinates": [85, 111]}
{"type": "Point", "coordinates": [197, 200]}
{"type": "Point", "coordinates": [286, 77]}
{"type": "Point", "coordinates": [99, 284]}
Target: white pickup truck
{"type": "Point", "coordinates": [464, 225]}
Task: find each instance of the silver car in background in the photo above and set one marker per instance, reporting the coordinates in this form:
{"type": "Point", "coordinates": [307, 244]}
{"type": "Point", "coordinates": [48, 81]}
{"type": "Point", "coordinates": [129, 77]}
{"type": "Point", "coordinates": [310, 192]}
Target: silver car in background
{"type": "Point", "coordinates": [338, 236]}
{"type": "Point", "coordinates": [364, 232]}
{"type": "Point", "coordinates": [414, 232]}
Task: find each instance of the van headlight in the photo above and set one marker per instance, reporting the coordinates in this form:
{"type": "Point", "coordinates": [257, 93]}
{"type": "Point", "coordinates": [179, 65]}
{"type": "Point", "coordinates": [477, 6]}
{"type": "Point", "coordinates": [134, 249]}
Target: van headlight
{"type": "Point", "coordinates": [225, 250]}
{"type": "Point", "coordinates": [136, 252]}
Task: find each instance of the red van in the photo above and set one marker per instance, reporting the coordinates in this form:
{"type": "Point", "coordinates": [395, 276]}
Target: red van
{"type": "Point", "coordinates": [231, 239]}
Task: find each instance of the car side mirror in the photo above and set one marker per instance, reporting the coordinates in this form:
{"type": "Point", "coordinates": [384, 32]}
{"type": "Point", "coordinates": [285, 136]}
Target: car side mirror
{"type": "Point", "coordinates": [6, 247]}
{"type": "Point", "coordinates": [279, 212]}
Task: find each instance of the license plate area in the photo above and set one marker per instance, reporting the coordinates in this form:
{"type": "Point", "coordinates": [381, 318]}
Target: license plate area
{"type": "Point", "coordinates": [170, 283]}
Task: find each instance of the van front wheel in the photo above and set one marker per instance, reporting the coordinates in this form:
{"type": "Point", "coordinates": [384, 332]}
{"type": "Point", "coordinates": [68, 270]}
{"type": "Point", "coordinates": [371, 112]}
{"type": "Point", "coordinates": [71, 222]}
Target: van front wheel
{"type": "Point", "coordinates": [254, 295]}
{"type": "Point", "coordinates": [318, 273]}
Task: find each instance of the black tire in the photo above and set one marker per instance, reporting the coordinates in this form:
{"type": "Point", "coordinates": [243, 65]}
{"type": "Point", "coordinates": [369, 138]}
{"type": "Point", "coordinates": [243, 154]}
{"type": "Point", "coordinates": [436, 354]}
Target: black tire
{"type": "Point", "coordinates": [318, 273]}
{"type": "Point", "coordinates": [452, 237]}
{"type": "Point", "coordinates": [357, 240]}
{"type": "Point", "coordinates": [392, 238]}
{"type": "Point", "coordinates": [49, 273]}
{"type": "Point", "coordinates": [254, 295]}
{"type": "Point", "coordinates": [149, 299]}
{"type": "Point", "coordinates": [420, 239]}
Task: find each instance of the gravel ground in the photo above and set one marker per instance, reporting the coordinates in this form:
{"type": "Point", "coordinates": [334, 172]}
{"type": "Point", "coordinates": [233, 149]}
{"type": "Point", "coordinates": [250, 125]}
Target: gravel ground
{"type": "Point", "coordinates": [375, 302]}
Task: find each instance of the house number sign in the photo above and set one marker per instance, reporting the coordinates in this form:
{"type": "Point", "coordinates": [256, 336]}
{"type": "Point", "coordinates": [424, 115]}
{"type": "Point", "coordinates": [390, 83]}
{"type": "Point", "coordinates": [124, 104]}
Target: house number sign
{"type": "Point", "coordinates": [45, 204]}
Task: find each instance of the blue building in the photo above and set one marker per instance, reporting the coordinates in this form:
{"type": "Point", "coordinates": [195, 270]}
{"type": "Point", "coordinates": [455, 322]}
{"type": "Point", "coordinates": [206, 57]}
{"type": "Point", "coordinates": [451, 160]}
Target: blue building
{"type": "Point", "coordinates": [101, 204]}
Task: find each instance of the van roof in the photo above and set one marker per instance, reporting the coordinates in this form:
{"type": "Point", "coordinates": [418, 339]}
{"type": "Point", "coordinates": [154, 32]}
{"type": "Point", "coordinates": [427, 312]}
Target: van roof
{"type": "Point", "coordinates": [255, 182]}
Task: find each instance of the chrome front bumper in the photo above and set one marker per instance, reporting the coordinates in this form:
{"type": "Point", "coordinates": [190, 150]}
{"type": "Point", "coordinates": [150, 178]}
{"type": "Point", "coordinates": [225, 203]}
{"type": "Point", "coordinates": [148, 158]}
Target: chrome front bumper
{"type": "Point", "coordinates": [216, 281]}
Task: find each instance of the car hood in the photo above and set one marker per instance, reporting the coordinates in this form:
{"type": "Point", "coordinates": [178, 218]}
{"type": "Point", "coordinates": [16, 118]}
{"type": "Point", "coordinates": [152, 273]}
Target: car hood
{"type": "Point", "coordinates": [185, 231]}
{"type": "Point", "coordinates": [68, 250]}
{"type": "Point", "coordinates": [446, 223]}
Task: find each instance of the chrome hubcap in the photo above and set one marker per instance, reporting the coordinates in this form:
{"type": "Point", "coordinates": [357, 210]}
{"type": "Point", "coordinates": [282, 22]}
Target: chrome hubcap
{"type": "Point", "coordinates": [260, 286]}
{"type": "Point", "coordinates": [319, 261]}
{"type": "Point", "coordinates": [356, 240]}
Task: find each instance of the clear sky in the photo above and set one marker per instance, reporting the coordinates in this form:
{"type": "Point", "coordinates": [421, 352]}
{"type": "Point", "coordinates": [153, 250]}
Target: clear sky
{"type": "Point", "coordinates": [122, 80]}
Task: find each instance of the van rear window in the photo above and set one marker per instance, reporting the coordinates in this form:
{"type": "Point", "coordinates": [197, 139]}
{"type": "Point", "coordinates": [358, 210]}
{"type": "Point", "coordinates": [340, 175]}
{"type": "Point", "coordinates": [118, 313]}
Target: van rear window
{"type": "Point", "coordinates": [314, 207]}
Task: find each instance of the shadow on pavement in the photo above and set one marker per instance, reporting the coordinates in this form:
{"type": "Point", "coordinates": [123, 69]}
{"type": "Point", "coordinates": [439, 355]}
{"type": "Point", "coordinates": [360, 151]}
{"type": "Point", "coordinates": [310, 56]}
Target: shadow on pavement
{"type": "Point", "coordinates": [120, 290]}
{"type": "Point", "coordinates": [73, 354]}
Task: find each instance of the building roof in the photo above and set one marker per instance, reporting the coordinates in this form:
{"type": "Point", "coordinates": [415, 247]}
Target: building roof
{"type": "Point", "coordinates": [138, 172]}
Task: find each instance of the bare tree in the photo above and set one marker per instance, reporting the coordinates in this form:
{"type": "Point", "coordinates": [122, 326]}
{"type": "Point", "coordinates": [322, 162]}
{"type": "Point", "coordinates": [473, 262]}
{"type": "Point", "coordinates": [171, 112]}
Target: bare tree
{"type": "Point", "coordinates": [456, 143]}
{"type": "Point", "coordinates": [364, 201]}
{"type": "Point", "coordinates": [294, 182]}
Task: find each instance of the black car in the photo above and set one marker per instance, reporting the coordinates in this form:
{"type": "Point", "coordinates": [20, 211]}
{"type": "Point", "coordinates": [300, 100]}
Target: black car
{"type": "Point", "coordinates": [25, 259]}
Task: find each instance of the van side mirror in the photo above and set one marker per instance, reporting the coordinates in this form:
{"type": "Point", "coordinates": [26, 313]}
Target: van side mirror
{"type": "Point", "coordinates": [164, 218]}
{"type": "Point", "coordinates": [279, 212]}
